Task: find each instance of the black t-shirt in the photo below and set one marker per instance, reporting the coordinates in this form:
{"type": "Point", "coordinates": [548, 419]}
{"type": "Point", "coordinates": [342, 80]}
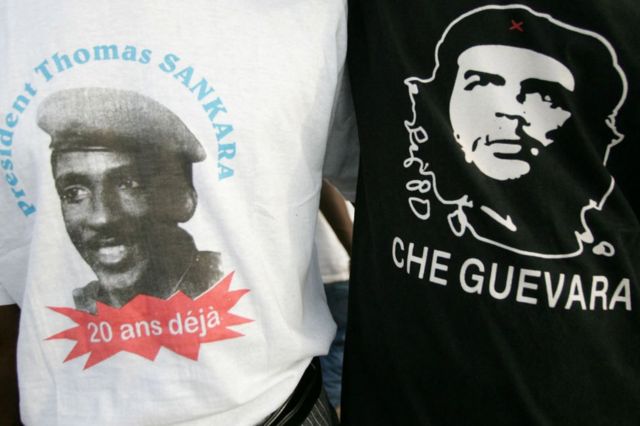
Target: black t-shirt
{"type": "Point", "coordinates": [497, 244]}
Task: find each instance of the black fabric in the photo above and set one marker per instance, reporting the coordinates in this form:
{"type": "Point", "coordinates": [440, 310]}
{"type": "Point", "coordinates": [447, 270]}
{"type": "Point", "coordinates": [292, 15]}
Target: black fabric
{"type": "Point", "coordinates": [562, 346]}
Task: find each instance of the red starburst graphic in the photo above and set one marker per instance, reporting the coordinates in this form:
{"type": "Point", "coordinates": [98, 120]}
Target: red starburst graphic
{"type": "Point", "coordinates": [146, 324]}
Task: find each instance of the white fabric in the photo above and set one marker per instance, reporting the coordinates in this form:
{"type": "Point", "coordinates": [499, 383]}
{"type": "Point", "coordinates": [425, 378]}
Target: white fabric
{"type": "Point", "coordinates": [333, 259]}
{"type": "Point", "coordinates": [277, 67]}
{"type": "Point", "coordinates": [5, 298]}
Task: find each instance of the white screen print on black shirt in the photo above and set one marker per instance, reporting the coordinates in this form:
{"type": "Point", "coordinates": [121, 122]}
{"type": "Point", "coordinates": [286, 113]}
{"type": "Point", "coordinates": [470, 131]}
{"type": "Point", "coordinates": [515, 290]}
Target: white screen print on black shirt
{"type": "Point", "coordinates": [512, 174]}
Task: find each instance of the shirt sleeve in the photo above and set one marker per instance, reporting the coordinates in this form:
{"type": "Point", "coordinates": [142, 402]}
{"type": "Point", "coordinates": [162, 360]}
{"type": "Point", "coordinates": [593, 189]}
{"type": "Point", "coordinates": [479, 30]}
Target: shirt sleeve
{"type": "Point", "coordinates": [343, 150]}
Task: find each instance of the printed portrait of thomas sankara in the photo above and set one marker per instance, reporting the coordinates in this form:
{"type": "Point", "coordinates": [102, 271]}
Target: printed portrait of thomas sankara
{"type": "Point", "coordinates": [122, 165]}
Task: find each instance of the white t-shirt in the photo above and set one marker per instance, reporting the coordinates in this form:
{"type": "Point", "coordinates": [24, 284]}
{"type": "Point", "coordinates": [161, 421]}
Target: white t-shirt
{"type": "Point", "coordinates": [258, 85]}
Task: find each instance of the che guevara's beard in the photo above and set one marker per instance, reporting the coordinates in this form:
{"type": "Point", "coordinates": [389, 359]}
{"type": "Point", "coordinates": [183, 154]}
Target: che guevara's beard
{"type": "Point", "coordinates": [501, 158]}
{"type": "Point", "coordinates": [550, 196]}
{"type": "Point", "coordinates": [458, 175]}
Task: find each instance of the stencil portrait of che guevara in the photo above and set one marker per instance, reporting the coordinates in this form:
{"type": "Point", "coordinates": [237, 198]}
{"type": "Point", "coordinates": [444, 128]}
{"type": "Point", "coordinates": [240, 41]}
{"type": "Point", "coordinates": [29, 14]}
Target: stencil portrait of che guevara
{"type": "Point", "coordinates": [512, 131]}
{"type": "Point", "coordinates": [122, 166]}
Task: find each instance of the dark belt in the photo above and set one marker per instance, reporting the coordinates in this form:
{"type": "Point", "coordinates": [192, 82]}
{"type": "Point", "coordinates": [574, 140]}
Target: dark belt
{"type": "Point", "coordinates": [305, 396]}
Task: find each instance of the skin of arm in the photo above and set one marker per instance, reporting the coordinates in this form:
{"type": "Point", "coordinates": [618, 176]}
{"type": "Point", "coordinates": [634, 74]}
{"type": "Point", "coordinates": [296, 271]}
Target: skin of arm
{"type": "Point", "coordinates": [9, 406]}
{"type": "Point", "coordinates": [334, 209]}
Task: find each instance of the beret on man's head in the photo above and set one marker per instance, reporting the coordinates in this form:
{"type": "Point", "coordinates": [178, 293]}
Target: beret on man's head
{"type": "Point", "coordinates": [92, 118]}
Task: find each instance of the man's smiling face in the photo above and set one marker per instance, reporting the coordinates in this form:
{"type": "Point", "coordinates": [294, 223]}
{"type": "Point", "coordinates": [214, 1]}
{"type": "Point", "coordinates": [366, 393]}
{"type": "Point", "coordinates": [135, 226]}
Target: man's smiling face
{"type": "Point", "coordinates": [107, 210]}
{"type": "Point", "coordinates": [505, 103]}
